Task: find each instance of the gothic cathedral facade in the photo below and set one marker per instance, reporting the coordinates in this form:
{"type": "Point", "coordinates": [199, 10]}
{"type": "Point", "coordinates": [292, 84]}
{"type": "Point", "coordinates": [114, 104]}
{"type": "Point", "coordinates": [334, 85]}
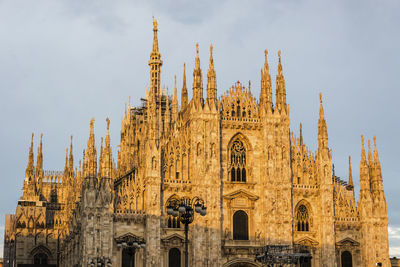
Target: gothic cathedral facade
{"type": "Point", "coordinates": [260, 183]}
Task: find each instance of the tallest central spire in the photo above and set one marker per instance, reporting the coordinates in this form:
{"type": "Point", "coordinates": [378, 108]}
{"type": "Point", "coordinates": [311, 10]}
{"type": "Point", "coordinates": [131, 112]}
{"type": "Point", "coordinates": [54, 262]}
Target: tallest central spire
{"type": "Point", "coordinates": [155, 39]}
{"type": "Point", "coordinates": [155, 64]}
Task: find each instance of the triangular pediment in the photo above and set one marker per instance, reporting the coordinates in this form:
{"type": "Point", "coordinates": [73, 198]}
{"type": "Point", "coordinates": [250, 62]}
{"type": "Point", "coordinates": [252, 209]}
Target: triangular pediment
{"type": "Point", "coordinates": [241, 193]}
{"type": "Point", "coordinates": [172, 237]}
{"type": "Point", "coordinates": [128, 236]}
{"type": "Point", "coordinates": [307, 241]}
{"type": "Point", "coordinates": [347, 241]}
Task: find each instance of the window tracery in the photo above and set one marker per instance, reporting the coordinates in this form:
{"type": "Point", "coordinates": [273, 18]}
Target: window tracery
{"type": "Point", "coordinates": [237, 165]}
{"type": "Point", "coordinates": [302, 217]}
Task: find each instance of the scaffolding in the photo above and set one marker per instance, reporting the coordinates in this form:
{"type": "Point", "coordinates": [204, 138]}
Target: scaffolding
{"type": "Point", "coordinates": [284, 255]}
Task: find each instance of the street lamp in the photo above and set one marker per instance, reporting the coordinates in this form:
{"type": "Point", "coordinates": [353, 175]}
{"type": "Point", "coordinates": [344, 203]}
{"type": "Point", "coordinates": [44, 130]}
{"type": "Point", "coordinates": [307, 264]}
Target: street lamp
{"type": "Point", "coordinates": [131, 243]}
{"type": "Point", "coordinates": [185, 208]}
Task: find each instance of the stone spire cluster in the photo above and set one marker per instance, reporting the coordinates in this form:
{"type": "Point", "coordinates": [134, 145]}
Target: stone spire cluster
{"type": "Point", "coordinates": [167, 151]}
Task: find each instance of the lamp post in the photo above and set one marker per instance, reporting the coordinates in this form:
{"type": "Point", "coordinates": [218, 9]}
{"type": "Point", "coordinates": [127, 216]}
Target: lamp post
{"type": "Point", "coordinates": [131, 243]}
{"type": "Point", "coordinates": [184, 209]}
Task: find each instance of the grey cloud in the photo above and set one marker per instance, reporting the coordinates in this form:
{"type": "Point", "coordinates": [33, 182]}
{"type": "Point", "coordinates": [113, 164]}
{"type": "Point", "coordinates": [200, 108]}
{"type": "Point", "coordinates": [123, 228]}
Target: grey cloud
{"type": "Point", "coordinates": [63, 62]}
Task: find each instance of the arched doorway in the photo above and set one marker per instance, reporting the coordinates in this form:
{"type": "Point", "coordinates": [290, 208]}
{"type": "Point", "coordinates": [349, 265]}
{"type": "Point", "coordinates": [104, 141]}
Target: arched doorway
{"type": "Point", "coordinates": [240, 226]}
{"type": "Point", "coordinates": [128, 257]}
{"type": "Point", "coordinates": [241, 263]}
{"type": "Point", "coordinates": [40, 259]}
{"type": "Point", "coordinates": [347, 259]}
{"type": "Point", "coordinates": [174, 257]}
{"type": "Point", "coordinates": [305, 262]}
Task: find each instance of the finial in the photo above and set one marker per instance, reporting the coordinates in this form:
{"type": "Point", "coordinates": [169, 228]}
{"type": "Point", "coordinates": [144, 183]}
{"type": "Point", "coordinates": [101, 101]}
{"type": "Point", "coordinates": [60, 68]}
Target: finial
{"type": "Point", "coordinates": [197, 49]}
{"type": "Point", "coordinates": [175, 81]}
{"type": "Point", "coordinates": [320, 98]}
{"type": "Point", "coordinates": [351, 185]}
{"type": "Point", "coordinates": [125, 112]}
{"type": "Point", "coordinates": [41, 136]}
{"type": "Point", "coordinates": [301, 133]}
{"type": "Point", "coordinates": [376, 157]}
{"type": "Point", "coordinates": [249, 85]}
{"type": "Point", "coordinates": [108, 124]}
{"type": "Point", "coordinates": [266, 54]}
{"type": "Point", "coordinates": [92, 125]}
{"type": "Point", "coordinates": [32, 138]}
{"type": "Point", "coordinates": [279, 55]}
{"type": "Point", "coordinates": [154, 24]}
{"type": "Point", "coordinates": [211, 49]}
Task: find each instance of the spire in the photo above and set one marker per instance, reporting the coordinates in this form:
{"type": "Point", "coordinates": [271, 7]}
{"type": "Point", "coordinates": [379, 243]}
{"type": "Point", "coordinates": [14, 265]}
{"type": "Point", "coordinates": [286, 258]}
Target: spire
{"type": "Point", "coordinates": [376, 157]}
{"type": "Point", "coordinates": [197, 81]}
{"type": "Point", "coordinates": [365, 185]}
{"type": "Point", "coordinates": [108, 133]}
{"type": "Point", "coordinates": [66, 162]}
{"type": "Point", "coordinates": [100, 169]}
{"type": "Point", "coordinates": [155, 38]}
{"type": "Point", "coordinates": [155, 64]}
{"type": "Point", "coordinates": [322, 128]}
{"type": "Point", "coordinates": [184, 97]}
{"type": "Point", "coordinates": [376, 173]}
{"type": "Point", "coordinates": [211, 81]}
{"type": "Point", "coordinates": [106, 163]}
{"type": "Point", "coordinates": [91, 153]}
{"type": "Point", "coordinates": [301, 134]}
{"type": "Point", "coordinates": [370, 160]}
{"type": "Point", "coordinates": [280, 87]}
{"type": "Point", "coordinates": [71, 159]}
{"type": "Point", "coordinates": [175, 102]}
{"type": "Point", "coordinates": [29, 172]}
{"type": "Point", "coordinates": [167, 113]}
{"type": "Point", "coordinates": [39, 159]}
{"type": "Point", "coordinates": [266, 88]}
{"type": "Point", "coordinates": [350, 184]}
{"type": "Point", "coordinates": [363, 157]}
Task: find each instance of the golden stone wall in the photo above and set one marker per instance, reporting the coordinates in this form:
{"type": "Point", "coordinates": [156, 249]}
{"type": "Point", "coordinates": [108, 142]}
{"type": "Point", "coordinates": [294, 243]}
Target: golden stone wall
{"type": "Point", "coordinates": [236, 152]}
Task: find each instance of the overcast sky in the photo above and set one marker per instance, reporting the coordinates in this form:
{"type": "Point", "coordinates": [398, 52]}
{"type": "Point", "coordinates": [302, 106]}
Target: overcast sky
{"type": "Point", "coordinates": [64, 62]}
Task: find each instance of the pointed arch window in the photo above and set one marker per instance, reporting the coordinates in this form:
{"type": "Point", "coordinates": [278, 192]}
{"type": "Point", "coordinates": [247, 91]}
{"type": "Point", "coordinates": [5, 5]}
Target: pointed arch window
{"type": "Point", "coordinates": [174, 257]}
{"type": "Point", "coordinates": [237, 164]}
{"type": "Point", "coordinates": [40, 259]}
{"type": "Point", "coordinates": [240, 225]}
{"type": "Point", "coordinates": [303, 218]}
{"type": "Point", "coordinates": [174, 222]}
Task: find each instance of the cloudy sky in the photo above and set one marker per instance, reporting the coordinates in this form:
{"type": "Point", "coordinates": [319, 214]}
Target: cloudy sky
{"type": "Point", "coordinates": [64, 62]}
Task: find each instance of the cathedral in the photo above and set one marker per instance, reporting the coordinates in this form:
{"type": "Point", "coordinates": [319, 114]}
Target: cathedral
{"type": "Point", "coordinates": [258, 183]}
